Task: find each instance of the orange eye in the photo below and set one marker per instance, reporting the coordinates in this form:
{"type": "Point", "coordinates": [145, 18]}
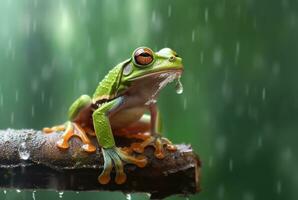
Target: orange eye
{"type": "Point", "coordinates": [143, 56]}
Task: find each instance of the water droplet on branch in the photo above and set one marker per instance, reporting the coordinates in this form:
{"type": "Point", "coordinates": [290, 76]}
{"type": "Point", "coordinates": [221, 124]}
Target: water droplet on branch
{"type": "Point", "coordinates": [128, 196]}
{"type": "Point", "coordinates": [61, 194]}
{"type": "Point", "coordinates": [23, 151]}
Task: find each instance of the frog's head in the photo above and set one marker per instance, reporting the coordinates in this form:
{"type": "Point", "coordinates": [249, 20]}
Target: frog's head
{"type": "Point", "coordinates": [146, 65]}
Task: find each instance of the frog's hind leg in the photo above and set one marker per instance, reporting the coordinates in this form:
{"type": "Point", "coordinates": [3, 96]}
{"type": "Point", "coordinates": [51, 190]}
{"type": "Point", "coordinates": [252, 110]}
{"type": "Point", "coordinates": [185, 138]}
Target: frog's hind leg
{"type": "Point", "coordinates": [155, 140]}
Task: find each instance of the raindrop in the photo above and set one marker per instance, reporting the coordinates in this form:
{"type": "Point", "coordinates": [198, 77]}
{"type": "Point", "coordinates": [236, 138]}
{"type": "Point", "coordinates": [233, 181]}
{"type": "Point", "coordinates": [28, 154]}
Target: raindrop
{"type": "Point", "coordinates": [193, 36]}
{"type": "Point", "coordinates": [1, 100]}
{"type": "Point", "coordinates": [179, 86]}
{"type": "Point", "coordinates": [17, 95]}
{"type": "Point", "coordinates": [153, 18]}
{"type": "Point", "coordinates": [217, 56]}
{"type": "Point", "coordinates": [23, 151]}
{"type": "Point", "coordinates": [263, 94]}
{"type": "Point", "coordinates": [202, 57]}
{"type": "Point", "coordinates": [231, 165]}
{"type": "Point", "coordinates": [18, 190]}
{"type": "Point", "coordinates": [237, 52]}
{"type": "Point", "coordinates": [33, 194]}
{"type": "Point", "coordinates": [128, 196]}
{"type": "Point", "coordinates": [12, 118]}
{"type": "Point", "coordinates": [169, 11]}
{"type": "Point", "coordinates": [42, 97]}
{"type": "Point", "coordinates": [61, 194]}
{"type": "Point", "coordinates": [184, 103]}
{"type": "Point", "coordinates": [278, 187]}
{"type": "Point", "coordinates": [206, 14]}
{"type": "Point", "coordinates": [32, 111]}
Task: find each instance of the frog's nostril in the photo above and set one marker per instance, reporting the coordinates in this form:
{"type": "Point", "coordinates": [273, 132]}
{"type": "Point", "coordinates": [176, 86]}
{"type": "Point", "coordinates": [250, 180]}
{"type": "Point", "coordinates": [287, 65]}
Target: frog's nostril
{"type": "Point", "coordinates": [172, 58]}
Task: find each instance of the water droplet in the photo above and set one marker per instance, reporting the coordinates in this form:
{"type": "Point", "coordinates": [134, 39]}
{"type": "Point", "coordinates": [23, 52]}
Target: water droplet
{"type": "Point", "coordinates": [61, 194]}
{"type": "Point", "coordinates": [193, 36]}
{"type": "Point", "coordinates": [179, 86]}
{"type": "Point", "coordinates": [23, 151]}
{"type": "Point", "coordinates": [169, 11]}
{"type": "Point", "coordinates": [153, 17]}
{"type": "Point", "coordinates": [263, 94]}
{"type": "Point", "coordinates": [128, 196]}
{"type": "Point", "coordinates": [12, 118]}
{"type": "Point", "coordinates": [32, 111]}
{"type": "Point", "coordinates": [184, 103]}
{"type": "Point", "coordinates": [33, 194]}
{"type": "Point", "coordinates": [231, 165]}
{"type": "Point", "coordinates": [206, 14]}
{"type": "Point", "coordinates": [18, 190]}
{"type": "Point", "coordinates": [17, 95]}
{"type": "Point", "coordinates": [1, 100]}
{"type": "Point", "coordinates": [278, 187]}
{"type": "Point", "coordinates": [237, 52]}
{"type": "Point", "coordinates": [42, 97]}
{"type": "Point", "coordinates": [202, 57]}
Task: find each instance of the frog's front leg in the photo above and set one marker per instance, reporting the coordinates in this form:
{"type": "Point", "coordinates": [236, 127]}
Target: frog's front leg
{"type": "Point", "coordinates": [72, 127]}
{"type": "Point", "coordinates": [113, 156]}
{"type": "Point", "coordinates": [156, 140]}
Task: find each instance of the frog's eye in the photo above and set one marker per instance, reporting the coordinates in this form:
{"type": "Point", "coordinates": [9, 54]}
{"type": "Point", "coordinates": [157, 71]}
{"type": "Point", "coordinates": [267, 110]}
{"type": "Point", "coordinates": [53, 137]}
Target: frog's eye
{"type": "Point", "coordinates": [143, 56]}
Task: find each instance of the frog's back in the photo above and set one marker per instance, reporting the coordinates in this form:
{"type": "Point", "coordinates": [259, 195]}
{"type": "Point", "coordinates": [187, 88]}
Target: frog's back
{"type": "Point", "coordinates": [107, 88]}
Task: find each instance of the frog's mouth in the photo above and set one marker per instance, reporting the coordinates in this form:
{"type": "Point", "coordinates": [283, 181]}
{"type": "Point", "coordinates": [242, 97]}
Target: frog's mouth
{"type": "Point", "coordinates": [171, 74]}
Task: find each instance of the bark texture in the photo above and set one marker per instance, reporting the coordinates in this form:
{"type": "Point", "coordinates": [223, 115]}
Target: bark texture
{"type": "Point", "coordinates": [29, 159]}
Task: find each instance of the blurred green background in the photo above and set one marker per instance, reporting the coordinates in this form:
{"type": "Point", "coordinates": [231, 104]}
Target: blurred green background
{"type": "Point", "coordinates": [239, 108]}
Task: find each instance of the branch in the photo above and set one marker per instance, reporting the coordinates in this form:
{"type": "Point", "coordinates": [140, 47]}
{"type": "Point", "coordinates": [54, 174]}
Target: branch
{"type": "Point", "coordinates": [29, 159]}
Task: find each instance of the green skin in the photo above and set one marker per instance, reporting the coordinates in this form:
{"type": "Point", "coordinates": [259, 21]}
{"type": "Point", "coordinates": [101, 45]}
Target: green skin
{"type": "Point", "coordinates": [122, 98]}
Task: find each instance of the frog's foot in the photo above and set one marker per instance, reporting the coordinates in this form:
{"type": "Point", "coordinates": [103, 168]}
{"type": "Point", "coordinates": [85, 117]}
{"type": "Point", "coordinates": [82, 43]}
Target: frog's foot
{"type": "Point", "coordinates": [72, 129]}
{"type": "Point", "coordinates": [158, 142]}
{"type": "Point", "coordinates": [117, 158]}
{"type": "Point", "coordinates": [54, 129]}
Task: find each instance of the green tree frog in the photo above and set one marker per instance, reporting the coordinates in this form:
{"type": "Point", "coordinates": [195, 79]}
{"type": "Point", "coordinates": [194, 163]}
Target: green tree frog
{"type": "Point", "coordinates": [122, 100]}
